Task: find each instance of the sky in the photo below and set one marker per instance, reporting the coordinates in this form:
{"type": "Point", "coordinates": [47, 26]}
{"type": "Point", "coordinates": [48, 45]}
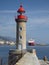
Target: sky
{"type": "Point", "coordinates": [37, 26]}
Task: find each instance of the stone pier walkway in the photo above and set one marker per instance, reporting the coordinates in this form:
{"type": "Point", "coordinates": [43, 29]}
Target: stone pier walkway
{"type": "Point", "coordinates": [28, 59]}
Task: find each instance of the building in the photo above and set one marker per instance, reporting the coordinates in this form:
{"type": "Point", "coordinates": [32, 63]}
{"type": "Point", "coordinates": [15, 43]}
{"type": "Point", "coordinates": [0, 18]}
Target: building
{"type": "Point", "coordinates": [2, 42]}
{"type": "Point", "coordinates": [21, 20]}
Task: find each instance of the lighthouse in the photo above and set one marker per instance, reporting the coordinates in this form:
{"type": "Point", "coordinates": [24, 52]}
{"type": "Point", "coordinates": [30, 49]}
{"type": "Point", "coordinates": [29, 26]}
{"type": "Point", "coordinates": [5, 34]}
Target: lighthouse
{"type": "Point", "coordinates": [21, 20]}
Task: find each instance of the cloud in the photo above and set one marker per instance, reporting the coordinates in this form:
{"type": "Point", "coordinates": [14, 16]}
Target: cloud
{"type": "Point", "coordinates": [8, 30]}
{"type": "Point", "coordinates": [41, 20]}
{"type": "Point", "coordinates": [38, 17]}
{"type": "Point", "coordinates": [7, 20]}
{"type": "Point", "coordinates": [27, 12]}
{"type": "Point", "coordinates": [7, 11]}
{"type": "Point", "coordinates": [36, 12]}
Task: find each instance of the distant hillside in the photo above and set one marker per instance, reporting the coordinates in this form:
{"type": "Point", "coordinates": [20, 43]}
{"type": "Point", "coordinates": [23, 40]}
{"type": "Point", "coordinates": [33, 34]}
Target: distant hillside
{"type": "Point", "coordinates": [7, 38]}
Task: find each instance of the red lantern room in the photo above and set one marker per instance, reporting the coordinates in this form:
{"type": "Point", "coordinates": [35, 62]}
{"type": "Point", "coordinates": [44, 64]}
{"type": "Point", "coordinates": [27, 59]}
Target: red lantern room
{"type": "Point", "coordinates": [21, 16]}
{"type": "Point", "coordinates": [21, 9]}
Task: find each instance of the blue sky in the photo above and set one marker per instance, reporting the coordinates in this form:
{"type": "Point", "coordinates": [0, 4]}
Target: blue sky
{"type": "Point", "coordinates": [37, 11]}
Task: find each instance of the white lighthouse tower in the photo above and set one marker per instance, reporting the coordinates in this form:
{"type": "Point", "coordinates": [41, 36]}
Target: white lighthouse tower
{"type": "Point", "coordinates": [21, 20]}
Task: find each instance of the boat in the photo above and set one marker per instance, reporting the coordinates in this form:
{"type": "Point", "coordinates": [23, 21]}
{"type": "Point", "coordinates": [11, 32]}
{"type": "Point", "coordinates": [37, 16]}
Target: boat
{"type": "Point", "coordinates": [31, 42]}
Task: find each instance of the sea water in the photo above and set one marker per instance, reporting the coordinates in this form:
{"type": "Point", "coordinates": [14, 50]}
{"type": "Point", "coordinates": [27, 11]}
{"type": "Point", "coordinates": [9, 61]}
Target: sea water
{"type": "Point", "coordinates": [4, 53]}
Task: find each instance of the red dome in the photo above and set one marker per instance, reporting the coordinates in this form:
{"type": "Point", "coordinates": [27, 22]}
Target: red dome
{"type": "Point", "coordinates": [21, 9]}
{"type": "Point", "coordinates": [21, 17]}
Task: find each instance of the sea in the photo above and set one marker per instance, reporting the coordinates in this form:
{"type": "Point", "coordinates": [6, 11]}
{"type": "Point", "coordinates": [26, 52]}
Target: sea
{"type": "Point", "coordinates": [41, 51]}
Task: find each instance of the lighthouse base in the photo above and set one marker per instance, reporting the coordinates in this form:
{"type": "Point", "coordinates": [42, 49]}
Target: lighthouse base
{"type": "Point", "coordinates": [15, 55]}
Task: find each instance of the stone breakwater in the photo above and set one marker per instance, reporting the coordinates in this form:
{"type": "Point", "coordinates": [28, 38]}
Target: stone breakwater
{"type": "Point", "coordinates": [17, 57]}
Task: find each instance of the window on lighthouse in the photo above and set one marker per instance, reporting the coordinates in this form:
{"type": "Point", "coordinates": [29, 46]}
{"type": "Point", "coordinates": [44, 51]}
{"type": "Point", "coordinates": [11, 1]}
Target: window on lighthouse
{"type": "Point", "coordinates": [20, 29]}
{"type": "Point", "coordinates": [20, 37]}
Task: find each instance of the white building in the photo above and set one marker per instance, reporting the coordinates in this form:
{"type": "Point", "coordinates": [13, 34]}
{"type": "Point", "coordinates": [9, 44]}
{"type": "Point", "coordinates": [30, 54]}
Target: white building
{"type": "Point", "coordinates": [12, 43]}
{"type": "Point", "coordinates": [1, 42]}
